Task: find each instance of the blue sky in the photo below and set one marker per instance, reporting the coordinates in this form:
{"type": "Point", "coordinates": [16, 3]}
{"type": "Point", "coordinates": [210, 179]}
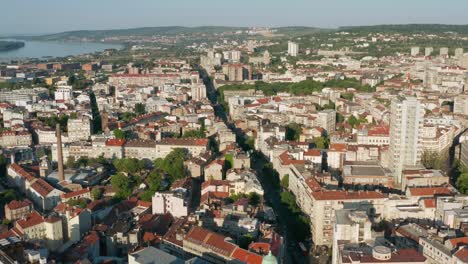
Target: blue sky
{"type": "Point", "coordinates": [48, 16]}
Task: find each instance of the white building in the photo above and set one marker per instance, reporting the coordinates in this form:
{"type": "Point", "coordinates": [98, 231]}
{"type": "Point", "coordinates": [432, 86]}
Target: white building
{"type": "Point", "coordinates": [293, 49]}
{"type": "Point", "coordinates": [414, 51]}
{"type": "Point", "coordinates": [198, 92]}
{"type": "Point", "coordinates": [63, 93]}
{"type": "Point", "coordinates": [406, 122]}
{"type": "Point", "coordinates": [79, 129]}
{"type": "Point", "coordinates": [327, 120]}
{"type": "Point", "coordinates": [174, 203]}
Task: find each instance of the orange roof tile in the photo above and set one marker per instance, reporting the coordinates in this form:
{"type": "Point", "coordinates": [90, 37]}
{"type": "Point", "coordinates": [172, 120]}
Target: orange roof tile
{"type": "Point", "coordinates": [344, 195]}
{"type": "Point", "coordinates": [430, 191]}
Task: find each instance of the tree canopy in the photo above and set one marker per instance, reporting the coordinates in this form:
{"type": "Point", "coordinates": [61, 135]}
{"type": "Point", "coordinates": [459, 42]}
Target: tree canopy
{"type": "Point", "coordinates": [129, 165]}
{"type": "Point", "coordinates": [124, 185]}
{"type": "Point", "coordinates": [293, 131]}
{"type": "Point", "coordinates": [173, 164]}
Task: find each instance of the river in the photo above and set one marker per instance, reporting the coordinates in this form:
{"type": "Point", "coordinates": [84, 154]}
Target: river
{"type": "Point", "coordinates": [43, 49]}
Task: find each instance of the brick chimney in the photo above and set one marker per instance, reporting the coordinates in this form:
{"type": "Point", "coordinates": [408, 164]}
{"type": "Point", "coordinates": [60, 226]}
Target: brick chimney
{"type": "Point", "coordinates": [60, 153]}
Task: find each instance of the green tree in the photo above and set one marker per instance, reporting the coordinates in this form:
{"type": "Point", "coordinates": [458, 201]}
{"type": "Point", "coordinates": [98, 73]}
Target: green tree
{"type": "Point", "coordinates": [140, 109]}
{"type": "Point", "coordinates": [8, 196]}
{"type": "Point", "coordinates": [96, 193]}
{"type": "Point", "coordinates": [339, 118]}
{"type": "Point", "coordinates": [462, 183]}
{"type": "Point", "coordinates": [285, 181]}
{"type": "Point", "coordinates": [430, 160]}
{"type": "Point", "coordinates": [254, 198]}
{"type": "Point", "coordinates": [353, 121]}
{"type": "Point", "coordinates": [123, 185]}
{"type": "Point", "coordinates": [293, 131]}
{"type": "Point", "coordinates": [119, 134]}
{"type": "Point", "coordinates": [3, 166]}
{"type": "Point", "coordinates": [129, 165]}
{"type": "Point", "coordinates": [173, 164]}
{"type": "Point", "coordinates": [81, 203]}
{"type": "Point", "coordinates": [71, 162]}
{"type": "Point", "coordinates": [196, 133]}
{"type": "Point", "coordinates": [321, 142]}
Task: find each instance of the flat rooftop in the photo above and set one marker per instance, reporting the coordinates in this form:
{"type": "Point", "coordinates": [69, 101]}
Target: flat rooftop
{"type": "Point", "coordinates": [364, 170]}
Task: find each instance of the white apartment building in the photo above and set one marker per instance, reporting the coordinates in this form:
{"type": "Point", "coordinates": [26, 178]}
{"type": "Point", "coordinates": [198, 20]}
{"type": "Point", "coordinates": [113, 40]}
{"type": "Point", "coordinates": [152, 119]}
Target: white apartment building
{"type": "Point", "coordinates": [406, 122]}
{"type": "Point", "coordinates": [174, 203]}
{"type": "Point", "coordinates": [327, 120]}
{"type": "Point", "coordinates": [293, 48]}
{"type": "Point", "coordinates": [198, 92]}
{"type": "Point", "coordinates": [79, 129]}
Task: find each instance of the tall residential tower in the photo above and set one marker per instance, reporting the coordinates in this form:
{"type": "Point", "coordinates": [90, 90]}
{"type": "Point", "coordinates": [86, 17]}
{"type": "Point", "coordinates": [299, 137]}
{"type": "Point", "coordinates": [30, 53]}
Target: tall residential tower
{"type": "Point", "coordinates": [406, 122]}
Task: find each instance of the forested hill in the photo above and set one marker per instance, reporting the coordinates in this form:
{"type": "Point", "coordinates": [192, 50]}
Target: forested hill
{"type": "Point", "coordinates": [408, 28]}
{"type": "Point", "coordinates": [144, 31]}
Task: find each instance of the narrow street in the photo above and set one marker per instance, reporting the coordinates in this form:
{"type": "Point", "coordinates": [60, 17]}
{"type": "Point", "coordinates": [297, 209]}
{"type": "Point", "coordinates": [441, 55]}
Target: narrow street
{"type": "Point", "coordinates": [293, 253]}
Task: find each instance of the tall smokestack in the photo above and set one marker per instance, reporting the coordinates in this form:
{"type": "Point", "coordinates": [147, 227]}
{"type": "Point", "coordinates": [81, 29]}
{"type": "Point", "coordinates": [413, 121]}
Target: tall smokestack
{"type": "Point", "coordinates": [60, 153]}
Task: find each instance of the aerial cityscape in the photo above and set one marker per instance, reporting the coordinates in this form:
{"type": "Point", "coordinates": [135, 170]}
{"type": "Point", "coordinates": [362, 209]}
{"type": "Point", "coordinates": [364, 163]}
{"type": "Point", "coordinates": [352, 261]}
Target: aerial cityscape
{"type": "Point", "coordinates": [176, 133]}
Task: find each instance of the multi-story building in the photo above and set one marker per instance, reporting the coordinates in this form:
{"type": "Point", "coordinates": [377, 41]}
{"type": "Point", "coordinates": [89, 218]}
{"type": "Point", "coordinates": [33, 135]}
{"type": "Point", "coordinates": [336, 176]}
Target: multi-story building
{"type": "Point", "coordinates": [175, 202]}
{"type": "Point", "coordinates": [79, 129]}
{"type": "Point", "coordinates": [34, 227]}
{"type": "Point", "coordinates": [215, 248]}
{"type": "Point", "coordinates": [15, 139]}
{"type": "Point", "coordinates": [64, 93]}
{"type": "Point", "coordinates": [194, 146]}
{"type": "Point", "coordinates": [293, 48]}
{"type": "Point", "coordinates": [237, 72]}
{"type": "Point", "coordinates": [198, 92]}
{"type": "Point", "coordinates": [325, 203]}
{"type": "Point", "coordinates": [414, 51]}
{"type": "Point", "coordinates": [76, 221]}
{"type": "Point", "coordinates": [406, 122]}
{"type": "Point", "coordinates": [351, 226]}
{"type": "Point", "coordinates": [17, 209]}
{"type": "Point", "coordinates": [327, 120]}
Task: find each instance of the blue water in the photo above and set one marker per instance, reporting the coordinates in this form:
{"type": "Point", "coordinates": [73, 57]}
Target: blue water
{"type": "Point", "coordinates": [41, 49]}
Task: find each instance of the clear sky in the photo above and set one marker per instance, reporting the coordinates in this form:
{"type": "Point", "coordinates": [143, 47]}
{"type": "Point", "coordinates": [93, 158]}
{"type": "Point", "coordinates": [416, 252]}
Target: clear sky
{"type": "Point", "coordinates": [49, 16]}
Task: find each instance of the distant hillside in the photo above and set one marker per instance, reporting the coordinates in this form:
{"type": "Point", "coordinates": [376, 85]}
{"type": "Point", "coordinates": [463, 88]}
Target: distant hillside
{"type": "Point", "coordinates": [97, 35]}
{"type": "Point", "coordinates": [10, 45]}
{"type": "Point", "coordinates": [408, 29]}
{"type": "Point", "coordinates": [145, 31]}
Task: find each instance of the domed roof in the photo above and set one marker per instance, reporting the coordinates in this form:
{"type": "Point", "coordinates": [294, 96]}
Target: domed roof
{"type": "Point", "coordinates": [269, 259]}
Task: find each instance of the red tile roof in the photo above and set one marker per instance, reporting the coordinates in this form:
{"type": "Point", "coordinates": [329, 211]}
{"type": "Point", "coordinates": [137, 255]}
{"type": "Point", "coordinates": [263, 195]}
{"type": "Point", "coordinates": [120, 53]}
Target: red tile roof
{"type": "Point", "coordinates": [379, 131]}
{"type": "Point", "coordinates": [30, 220]}
{"type": "Point", "coordinates": [462, 254]}
{"type": "Point", "coordinates": [430, 191]}
{"type": "Point", "coordinates": [344, 195]}
{"type": "Point", "coordinates": [20, 171]}
{"type": "Point", "coordinates": [246, 256]}
{"type": "Point", "coordinates": [286, 160]}
{"type": "Point", "coordinates": [313, 152]}
{"type": "Point", "coordinates": [430, 203]}
{"type": "Point", "coordinates": [458, 242]}
{"type": "Point", "coordinates": [115, 142]}
{"type": "Point", "coordinates": [75, 193]}
{"type": "Point", "coordinates": [260, 247]}
{"type": "Point", "coordinates": [339, 147]}
{"type": "Point", "coordinates": [184, 141]}
{"type": "Point", "coordinates": [13, 205]}
{"type": "Point", "coordinates": [215, 183]}
{"type": "Point", "coordinates": [211, 240]}
{"type": "Point", "coordinates": [42, 187]}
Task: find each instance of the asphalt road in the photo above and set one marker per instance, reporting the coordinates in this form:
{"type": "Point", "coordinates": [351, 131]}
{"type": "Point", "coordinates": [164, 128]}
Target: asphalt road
{"type": "Point", "coordinates": [293, 253]}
